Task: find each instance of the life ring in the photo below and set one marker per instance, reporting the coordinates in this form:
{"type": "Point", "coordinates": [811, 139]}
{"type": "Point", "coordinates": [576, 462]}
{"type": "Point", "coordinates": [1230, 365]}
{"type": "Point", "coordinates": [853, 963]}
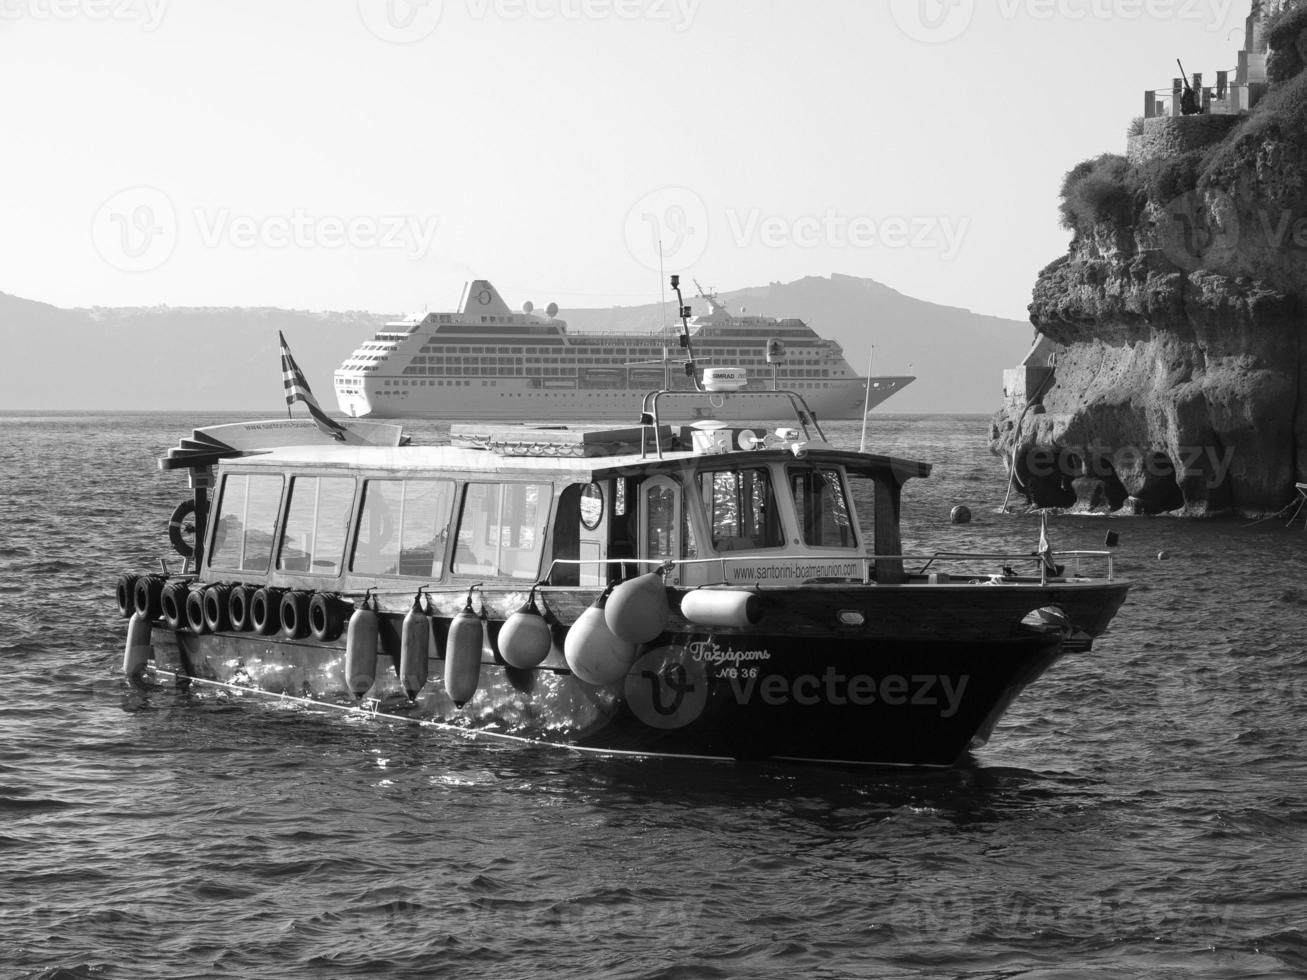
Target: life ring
{"type": "Point", "coordinates": [177, 529]}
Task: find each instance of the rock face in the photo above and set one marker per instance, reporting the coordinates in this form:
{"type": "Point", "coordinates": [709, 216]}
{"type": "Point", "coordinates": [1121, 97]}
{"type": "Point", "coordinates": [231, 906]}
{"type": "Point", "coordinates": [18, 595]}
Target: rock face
{"type": "Point", "coordinates": [1178, 317]}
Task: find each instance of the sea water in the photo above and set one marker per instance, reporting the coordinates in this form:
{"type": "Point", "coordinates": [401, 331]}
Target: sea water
{"type": "Point", "coordinates": [1139, 812]}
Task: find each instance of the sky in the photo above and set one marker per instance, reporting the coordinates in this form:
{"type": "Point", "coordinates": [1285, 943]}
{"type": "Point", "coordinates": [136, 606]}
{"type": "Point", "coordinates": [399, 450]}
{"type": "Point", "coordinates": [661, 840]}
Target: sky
{"type": "Point", "coordinates": [375, 154]}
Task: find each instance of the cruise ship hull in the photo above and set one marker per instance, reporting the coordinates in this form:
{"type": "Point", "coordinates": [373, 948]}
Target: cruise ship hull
{"type": "Point", "coordinates": [514, 400]}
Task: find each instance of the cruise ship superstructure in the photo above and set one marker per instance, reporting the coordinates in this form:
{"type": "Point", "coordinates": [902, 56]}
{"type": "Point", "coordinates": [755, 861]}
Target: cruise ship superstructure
{"type": "Point", "coordinates": [486, 361]}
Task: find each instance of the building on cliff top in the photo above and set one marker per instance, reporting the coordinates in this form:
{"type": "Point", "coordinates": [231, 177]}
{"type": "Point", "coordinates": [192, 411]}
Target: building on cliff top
{"type": "Point", "coordinates": [1170, 127]}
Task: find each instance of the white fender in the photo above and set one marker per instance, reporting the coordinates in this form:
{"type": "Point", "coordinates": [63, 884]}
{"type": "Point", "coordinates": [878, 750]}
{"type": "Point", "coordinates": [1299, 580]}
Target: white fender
{"type": "Point", "coordinates": [138, 652]}
{"type": "Point", "coordinates": [414, 648]}
{"type": "Point", "coordinates": [721, 607]}
{"type": "Point", "coordinates": [463, 656]}
{"type": "Point", "coordinates": [361, 650]}
{"type": "Point", "coordinates": [525, 639]}
{"type": "Point", "coordinates": [637, 610]}
{"type": "Point", "coordinates": [594, 652]}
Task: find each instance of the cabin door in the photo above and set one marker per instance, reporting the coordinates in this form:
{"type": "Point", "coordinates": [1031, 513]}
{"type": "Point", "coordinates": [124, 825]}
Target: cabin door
{"type": "Point", "coordinates": [661, 523]}
{"type": "Point", "coordinates": [592, 546]}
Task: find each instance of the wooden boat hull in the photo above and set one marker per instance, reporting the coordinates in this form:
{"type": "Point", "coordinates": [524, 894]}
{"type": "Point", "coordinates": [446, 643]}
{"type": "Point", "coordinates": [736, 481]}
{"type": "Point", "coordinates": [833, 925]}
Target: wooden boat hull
{"type": "Point", "coordinates": [924, 677]}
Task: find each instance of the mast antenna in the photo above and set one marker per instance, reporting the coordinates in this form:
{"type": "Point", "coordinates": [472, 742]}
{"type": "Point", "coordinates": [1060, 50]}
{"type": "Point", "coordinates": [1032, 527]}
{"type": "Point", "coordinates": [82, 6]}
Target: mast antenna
{"type": "Point", "coordinates": [866, 403]}
{"type": "Point", "coordinates": [684, 313]}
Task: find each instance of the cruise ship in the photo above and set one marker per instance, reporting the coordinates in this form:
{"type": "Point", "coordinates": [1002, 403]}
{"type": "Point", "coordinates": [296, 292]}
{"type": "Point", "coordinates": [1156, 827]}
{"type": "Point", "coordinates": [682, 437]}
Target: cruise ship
{"type": "Point", "coordinates": [484, 361]}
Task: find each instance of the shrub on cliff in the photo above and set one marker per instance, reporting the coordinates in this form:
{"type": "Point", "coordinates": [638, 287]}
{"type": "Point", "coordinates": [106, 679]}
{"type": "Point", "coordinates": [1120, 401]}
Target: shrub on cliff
{"type": "Point", "coordinates": [1279, 119]}
{"type": "Point", "coordinates": [1098, 191]}
{"type": "Point", "coordinates": [1163, 179]}
{"type": "Point", "coordinates": [1287, 36]}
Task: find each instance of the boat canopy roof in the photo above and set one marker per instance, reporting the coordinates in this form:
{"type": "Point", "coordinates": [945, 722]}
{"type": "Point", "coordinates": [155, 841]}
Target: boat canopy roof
{"type": "Point", "coordinates": [466, 461]}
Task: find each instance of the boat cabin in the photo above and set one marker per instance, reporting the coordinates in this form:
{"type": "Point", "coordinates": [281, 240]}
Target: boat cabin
{"type": "Point", "coordinates": [572, 506]}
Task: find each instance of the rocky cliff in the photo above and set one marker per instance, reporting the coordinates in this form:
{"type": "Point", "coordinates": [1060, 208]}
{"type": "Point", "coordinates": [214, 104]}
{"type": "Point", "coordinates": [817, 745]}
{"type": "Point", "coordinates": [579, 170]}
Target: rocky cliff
{"type": "Point", "coordinates": [1177, 321]}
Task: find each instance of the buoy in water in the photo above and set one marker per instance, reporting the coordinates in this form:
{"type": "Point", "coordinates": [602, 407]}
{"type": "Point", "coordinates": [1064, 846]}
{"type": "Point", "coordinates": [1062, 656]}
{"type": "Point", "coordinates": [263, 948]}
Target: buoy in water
{"type": "Point", "coordinates": [721, 607]}
{"type": "Point", "coordinates": [525, 639]}
{"type": "Point", "coordinates": [1162, 556]}
{"type": "Point", "coordinates": [137, 652]}
{"type": "Point", "coordinates": [361, 650]}
{"type": "Point", "coordinates": [637, 610]}
{"type": "Point", "coordinates": [414, 649]}
{"type": "Point", "coordinates": [463, 655]}
{"type": "Point", "coordinates": [1112, 539]}
{"type": "Point", "coordinates": [594, 652]}
{"type": "Point", "coordinates": [961, 514]}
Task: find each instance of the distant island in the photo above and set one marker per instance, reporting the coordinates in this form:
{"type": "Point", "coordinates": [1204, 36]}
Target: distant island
{"type": "Point", "coordinates": [1169, 372]}
{"type": "Point", "coordinates": [226, 358]}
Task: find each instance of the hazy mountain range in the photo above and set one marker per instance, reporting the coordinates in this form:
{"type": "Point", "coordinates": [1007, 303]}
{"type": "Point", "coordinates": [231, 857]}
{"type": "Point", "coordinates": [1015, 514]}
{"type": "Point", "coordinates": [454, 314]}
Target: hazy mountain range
{"type": "Point", "coordinates": [217, 358]}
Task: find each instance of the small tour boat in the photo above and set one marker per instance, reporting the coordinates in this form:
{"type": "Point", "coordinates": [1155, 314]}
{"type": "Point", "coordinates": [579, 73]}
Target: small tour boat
{"type": "Point", "coordinates": [705, 591]}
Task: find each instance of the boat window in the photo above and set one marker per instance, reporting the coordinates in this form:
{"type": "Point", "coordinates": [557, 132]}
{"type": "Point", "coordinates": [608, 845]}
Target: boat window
{"type": "Point", "coordinates": [403, 527]}
{"type": "Point", "coordinates": [247, 521]}
{"type": "Point", "coordinates": [822, 507]}
{"type": "Point", "coordinates": [317, 522]}
{"type": "Point", "coordinates": [502, 529]}
{"type": "Point", "coordinates": [741, 509]}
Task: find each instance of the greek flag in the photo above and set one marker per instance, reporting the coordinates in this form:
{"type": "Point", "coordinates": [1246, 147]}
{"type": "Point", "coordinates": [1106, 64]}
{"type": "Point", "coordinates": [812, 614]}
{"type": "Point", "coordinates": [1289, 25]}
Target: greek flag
{"type": "Point", "coordinates": [298, 389]}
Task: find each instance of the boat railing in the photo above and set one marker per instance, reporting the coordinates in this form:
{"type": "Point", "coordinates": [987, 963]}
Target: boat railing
{"type": "Point", "coordinates": [1048, 564]}
{"type": "Point", "coordinates": [650, 419]}
{"type": "Point", "coordinates": [760, 569]}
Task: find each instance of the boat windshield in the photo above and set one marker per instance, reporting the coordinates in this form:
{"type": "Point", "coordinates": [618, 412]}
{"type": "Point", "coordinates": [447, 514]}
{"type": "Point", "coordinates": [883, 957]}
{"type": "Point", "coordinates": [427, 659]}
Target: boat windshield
{"type": "Point", "coordinates": [741, 509]}
{"type": "Point", "coordinates": [822, 507]}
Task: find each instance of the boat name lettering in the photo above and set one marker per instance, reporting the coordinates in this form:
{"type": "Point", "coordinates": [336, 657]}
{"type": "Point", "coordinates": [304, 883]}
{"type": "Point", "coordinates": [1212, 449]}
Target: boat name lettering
{"type": "Point", "coordinates": [707, 651]}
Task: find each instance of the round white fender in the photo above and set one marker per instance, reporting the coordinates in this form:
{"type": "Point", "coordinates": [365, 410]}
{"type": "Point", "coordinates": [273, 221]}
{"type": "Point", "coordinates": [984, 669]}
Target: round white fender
{"type": "Point", "coordinates": [414, 649]}
{"type": "Point", "coordinates": [594, 652]}
{"type": "Point", "coordinates": [361, 650]}
{"type": "Point", "coordinates": [721, 607]}
{"type": "Point", "coordinates": [637, 611]}
{"type": "Point", "coordinates": [463, 656]}
{"type": "Point", "coordinates": [525, 639]}
{"type": "Point", "coordinates": [138, 651]}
